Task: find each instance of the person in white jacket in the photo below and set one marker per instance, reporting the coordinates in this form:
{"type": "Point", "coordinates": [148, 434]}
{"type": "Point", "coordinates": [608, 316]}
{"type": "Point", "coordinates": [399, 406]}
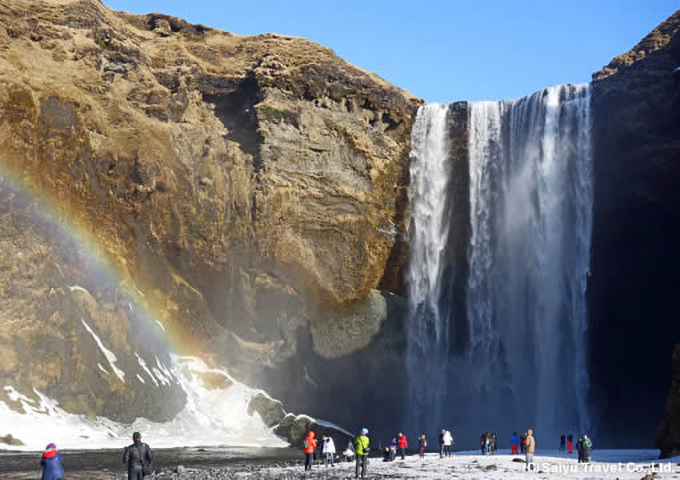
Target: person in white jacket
{"type": "Point", "coordinates": [448, 441]}
{"type": "Point", "coordinates": [329, 451]}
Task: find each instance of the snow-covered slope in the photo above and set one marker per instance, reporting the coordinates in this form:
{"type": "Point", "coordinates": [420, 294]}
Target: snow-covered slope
{"type": "Point", "coordinates": [212, 416]}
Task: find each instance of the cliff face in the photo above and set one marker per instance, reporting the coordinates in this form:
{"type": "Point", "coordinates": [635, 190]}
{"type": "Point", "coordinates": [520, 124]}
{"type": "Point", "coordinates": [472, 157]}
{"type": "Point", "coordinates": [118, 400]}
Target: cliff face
{"type": "Point", "coordinates": [249, 192]}
{"type": "Point", "coordinates": [668, 438]}
{"type": "Point", "coordinates": [633, 301]}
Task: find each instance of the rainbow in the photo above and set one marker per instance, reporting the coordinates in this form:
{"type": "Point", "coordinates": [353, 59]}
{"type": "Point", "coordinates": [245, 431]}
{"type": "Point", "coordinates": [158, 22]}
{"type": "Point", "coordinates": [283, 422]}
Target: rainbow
{"type": "Point", "coordinates": [159, 323]}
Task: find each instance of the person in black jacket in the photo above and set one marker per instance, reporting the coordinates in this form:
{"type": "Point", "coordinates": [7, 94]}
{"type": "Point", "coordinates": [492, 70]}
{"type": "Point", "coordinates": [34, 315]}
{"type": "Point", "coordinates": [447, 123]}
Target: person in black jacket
{"type": "Point", "coordinates": [440, 438]}
{"type": "Point", "coordinates": [138, 458]}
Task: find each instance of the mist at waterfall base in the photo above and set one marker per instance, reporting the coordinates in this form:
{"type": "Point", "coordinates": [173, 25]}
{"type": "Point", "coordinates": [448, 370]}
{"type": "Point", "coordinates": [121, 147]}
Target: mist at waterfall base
{"type": "Point", "coordinates": [511, 354]}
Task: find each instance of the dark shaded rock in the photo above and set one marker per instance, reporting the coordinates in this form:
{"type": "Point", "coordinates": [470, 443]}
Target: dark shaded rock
{"type": "Point", "coordinates": [668, 436]}
{"type": "Point", "coordinates": [283, 428]}
{"type": "Point", "coordinates": [632, 291]}
{"type": "Point", "coordinates": [270, 410]}
{"type": "Point", "coordinates": [303, 424]}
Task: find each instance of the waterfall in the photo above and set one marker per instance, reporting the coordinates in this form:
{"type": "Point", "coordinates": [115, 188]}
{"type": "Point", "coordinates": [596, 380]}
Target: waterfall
{"type": "Point", "coordinates": [427, 330]}
{"type": "Point", "coordinates": [528, 258]}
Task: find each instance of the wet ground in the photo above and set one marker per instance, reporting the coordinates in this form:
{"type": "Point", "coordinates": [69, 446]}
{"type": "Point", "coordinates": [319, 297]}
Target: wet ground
{"type": "Point", "coordinates": [106, 464]}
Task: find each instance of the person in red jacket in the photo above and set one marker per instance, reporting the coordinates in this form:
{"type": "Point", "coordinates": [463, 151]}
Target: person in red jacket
{"type": "Point", "coordinates": [570, 444]}
{"type": "Point", "coordinates": [403, 445]}
{"type": "Point", "coordinates": [309, 444]}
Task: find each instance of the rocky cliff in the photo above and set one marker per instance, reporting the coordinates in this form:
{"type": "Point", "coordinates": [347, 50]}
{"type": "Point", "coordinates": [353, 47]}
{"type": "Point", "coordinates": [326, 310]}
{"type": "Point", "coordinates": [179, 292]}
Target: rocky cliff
{"type": "Point", "coordinates": [632, 292]}
{"type": "Point", "coordinates": [248, 193]}
{"type": "Point", "coordinates": [668, 438]}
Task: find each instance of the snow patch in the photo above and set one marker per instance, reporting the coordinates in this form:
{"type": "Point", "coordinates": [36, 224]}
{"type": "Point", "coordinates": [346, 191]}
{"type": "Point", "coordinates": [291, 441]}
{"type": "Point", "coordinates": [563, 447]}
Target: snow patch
{"type": "Point", "coordinates": [209, 418]}
{"type": "Point", "coordinates": [78, 288]}
{"type": "Point", "coordinates": [110, 356]}
{"type": "Point", "coordinates": [140, 378]}
{"type": "Point", "coordinates": [162, 372]}
{"type": "Point", "coordinates": [101, 367]}
{"type": "Point", "coordinates": [142, 363]}
{"type": "Point", "coordinates": [16, 396]}
{"type": "Point", "coordinates": [160, 325]}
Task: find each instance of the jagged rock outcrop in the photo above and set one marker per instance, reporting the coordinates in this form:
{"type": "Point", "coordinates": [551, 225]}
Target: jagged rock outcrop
{"type": "Point", "coordinates": [244, 191]}
{"type": "Point", "coordinates": [668, 437]}
{"type": "Point", "coordinates": [633, 301]}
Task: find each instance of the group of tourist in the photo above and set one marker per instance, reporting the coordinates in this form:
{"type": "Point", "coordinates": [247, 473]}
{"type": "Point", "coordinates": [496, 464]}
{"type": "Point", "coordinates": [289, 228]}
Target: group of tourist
{"type": "Point", "coordinates": [518, 444]}
{"type": "Point", "coordinates": [360, 448]}
{"type": "Point", "coordinates": [487, 443]}
{"type": "Point", "coordinates": [311, 445]}
{"type": "Point", "coordinates": [137, 457]}
{"type": "Point", "coordinates": [584, 447]}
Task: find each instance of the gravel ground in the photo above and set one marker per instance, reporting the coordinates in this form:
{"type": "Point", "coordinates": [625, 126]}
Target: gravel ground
{"type": "Point", "coordinates": [607, 464]}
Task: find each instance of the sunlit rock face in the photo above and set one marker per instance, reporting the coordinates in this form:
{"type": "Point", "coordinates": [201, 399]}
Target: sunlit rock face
{"type": "Point", "coordinates": [243, 191]}
{"type": "Point", "coordinates": [633, 301]}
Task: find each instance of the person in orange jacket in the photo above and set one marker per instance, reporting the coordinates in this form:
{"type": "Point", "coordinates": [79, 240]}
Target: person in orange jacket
{"type": "Point", "coordinates": [309, 444]}
{"type": "Point", "coordinates": [403, 445]}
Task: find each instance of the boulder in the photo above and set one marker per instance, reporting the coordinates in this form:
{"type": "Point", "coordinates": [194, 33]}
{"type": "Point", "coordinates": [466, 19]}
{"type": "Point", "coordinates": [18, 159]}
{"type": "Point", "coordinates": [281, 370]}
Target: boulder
{"type": "Point", "coordinates": [270, 410]}
{"type": "Point", "coordinates": [10, 440]}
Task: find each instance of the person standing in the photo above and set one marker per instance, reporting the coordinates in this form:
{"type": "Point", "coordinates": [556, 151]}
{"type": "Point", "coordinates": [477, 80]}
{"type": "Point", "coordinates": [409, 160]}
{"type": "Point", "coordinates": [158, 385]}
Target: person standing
{"type": "Point", "coordinates": [563, 441]}
{"type": "Point", "coordinates": [403, 445]}
{"type": "Point", "coordinates": [570, 444]}
{"type": "Point", "coordinates": [329, 451]}
{"type": "Point", "coordinates": [530, 446]}
{"type": "Point", "coordinates": [52, 468]}
{"type": "Point", "coordinates": [522, 443]}
{"type": "Point", "coordinates": [138, 458]}
{"type": "Point", "coordinates": [579, 449]}
{"type": "Point", "coordinates": [493, 443]}
{"type": "Point", "coordinates": [514, 444]}
{"type": "Point", "coordinates": [362, 449]}
{"type": "Point", "coordinates": [586, 449]}
{"type": "Point", "coordinates": [482, 443]}
{"type": "Point", "coordinates": [422, 445]}
{"type": "Point", "coordinates": [448, 441]}
{"type": "Point", "coordinates": [309, 444]}
{"type": "Point", "coordinates": [440, 439]}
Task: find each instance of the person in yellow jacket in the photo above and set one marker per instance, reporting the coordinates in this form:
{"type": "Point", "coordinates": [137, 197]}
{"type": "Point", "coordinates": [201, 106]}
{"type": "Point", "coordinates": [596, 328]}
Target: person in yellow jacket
{"type": "Point", "coordinates": [362, 449]}
{"type": "Point", "coordinates": [530, 443]}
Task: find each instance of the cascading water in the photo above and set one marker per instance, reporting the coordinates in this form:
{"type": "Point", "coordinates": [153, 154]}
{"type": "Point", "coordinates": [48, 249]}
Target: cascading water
{"type": "Point", "coordinates": [427, 329]}
{"type": "Point", "coordinates": [530, 201]}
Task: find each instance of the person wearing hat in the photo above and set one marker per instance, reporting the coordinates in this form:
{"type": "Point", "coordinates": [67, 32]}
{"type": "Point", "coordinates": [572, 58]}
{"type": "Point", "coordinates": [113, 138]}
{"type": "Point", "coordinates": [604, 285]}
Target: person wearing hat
{"type": "Point", "coordinates": [329, 451]}
{"type": "Point", "coordinates": [138, 458]}
{"type": "Point", "coordinates": [362, 449]}
{"type": "Point", "coordinates": [51, 463]}
{"type": "Point", "coordinates": [309, 444]}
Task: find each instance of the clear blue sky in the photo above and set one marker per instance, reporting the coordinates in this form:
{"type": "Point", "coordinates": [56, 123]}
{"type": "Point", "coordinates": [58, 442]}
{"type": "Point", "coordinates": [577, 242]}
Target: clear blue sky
{"type": "Point", "coordinates": [445, 50]}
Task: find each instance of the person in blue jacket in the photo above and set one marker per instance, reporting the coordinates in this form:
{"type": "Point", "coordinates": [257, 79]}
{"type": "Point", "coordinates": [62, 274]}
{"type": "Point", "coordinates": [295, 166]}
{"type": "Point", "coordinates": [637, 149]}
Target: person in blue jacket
{"type": "Point", "coordinates": [514, 444]}
{"type": "Point", "coordinates": [51, 463]}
